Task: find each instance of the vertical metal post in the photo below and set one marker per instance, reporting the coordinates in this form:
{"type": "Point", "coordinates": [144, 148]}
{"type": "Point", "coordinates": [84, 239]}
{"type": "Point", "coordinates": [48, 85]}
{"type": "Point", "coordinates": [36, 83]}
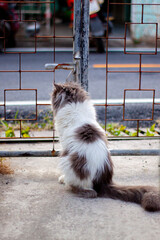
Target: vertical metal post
{"type": "Point", "coordinates": [77, 27]}
{"type": "Point", "coordinates": [77, 39]}
{"type": "Point", "coordinates": [84, 44]}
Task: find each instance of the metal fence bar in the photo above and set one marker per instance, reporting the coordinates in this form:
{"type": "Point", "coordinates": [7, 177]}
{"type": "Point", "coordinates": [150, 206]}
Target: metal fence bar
{"type": "Point", "coordinates": [124, 152]}
{"type": "Point", "coordinates": [77, 27]}
{"type": "Point", "coordinates": [85, 44]}
{"type": "Point", "coordinates": [77, 39]}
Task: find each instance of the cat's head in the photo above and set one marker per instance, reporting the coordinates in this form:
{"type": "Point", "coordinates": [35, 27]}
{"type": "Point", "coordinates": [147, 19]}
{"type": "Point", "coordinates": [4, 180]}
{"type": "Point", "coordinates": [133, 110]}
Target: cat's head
{"type": "Point", "coordinates": [67, 93]}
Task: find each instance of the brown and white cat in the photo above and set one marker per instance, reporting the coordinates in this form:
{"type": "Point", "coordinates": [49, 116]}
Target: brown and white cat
{"type": "Point", "coordinates": [85, 159]}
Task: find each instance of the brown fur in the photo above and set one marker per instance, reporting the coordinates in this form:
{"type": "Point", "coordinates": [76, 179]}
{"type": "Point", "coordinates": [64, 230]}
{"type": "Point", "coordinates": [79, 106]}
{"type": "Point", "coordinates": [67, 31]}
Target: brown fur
{"type": "Point", "coordinates": [85, 193]}
{"type": "Point", "coordinates": [151, 201]}
{"type": "Point", "coordinates": [89, 133]}
{"type": "Point", "coordinates": [64, 153]}
{"type": "Point", "coordinates": [72, 93]}
{"type": "Point", "coordinates": [78, 164]}
{"type": "Point", "coordinates": [147, 196]}
{"type": "Point", "coordinates": [103, 179]}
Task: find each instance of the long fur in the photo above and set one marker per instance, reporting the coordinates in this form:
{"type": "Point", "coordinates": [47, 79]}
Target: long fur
{"type": "Point", "coordinates": [85, 159]}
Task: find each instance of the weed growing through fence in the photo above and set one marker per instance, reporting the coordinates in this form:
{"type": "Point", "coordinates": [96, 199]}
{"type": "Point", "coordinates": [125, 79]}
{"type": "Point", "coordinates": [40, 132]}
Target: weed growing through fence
{"type": "Point", "coordinates": [9, 131]}
{"type": "Point", "coordinates": [25, 132]}
{"type": "Point", "coordinates": [46, 123]}
{"type": "Point", "coordinates": [151, 131]}
{"type": "Point", "coordinates": [120, 130]}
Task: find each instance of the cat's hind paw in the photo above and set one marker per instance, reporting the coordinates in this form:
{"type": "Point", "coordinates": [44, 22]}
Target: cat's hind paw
{"type": "Point", "coordinates": [61, 179]}
{"type": "Point", "coordinates": [84, 193]}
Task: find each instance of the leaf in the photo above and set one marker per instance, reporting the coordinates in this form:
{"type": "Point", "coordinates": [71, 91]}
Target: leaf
{"type": "Point", "coordinates": [116, 133]}
{"type": "Point", "coordinates": [149, 134]}
{"type": "Point", "coordinates": [110, 127]}
{"type": "Point", "coordinates": [10, 133]}
{"type": "Point", "coordinates": [122, 128]}
{"type": "Point", "coordinates": [5, 124]}
{"type": "Point", "coordinates": [127, 132]}
{"type": "Point", "coordinates": [152, 128]}
{"type": "Point", "coordinates": [25, 132]}
{"type": "Point", "coordinates": [133, 134]}
{"type": "Point", "coordinates": [25, 135]}
{"type": "Point", "coordinates": [15, 117]}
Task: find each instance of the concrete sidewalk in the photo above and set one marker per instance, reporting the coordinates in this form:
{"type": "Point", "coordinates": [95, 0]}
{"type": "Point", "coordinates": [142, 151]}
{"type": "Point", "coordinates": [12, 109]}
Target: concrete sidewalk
{"type": "Point", "coordinates": [33, 205]}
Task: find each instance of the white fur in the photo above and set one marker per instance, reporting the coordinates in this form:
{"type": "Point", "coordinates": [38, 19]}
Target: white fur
{"type": "Point", "coordinates": [61, 179]}
{"type": "Point", "coordinates": [68, 119]}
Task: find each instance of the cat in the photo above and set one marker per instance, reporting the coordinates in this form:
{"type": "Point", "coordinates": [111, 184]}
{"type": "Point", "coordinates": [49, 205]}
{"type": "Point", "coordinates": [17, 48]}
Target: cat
{"type": "Point", "coordinates": [85, 159]}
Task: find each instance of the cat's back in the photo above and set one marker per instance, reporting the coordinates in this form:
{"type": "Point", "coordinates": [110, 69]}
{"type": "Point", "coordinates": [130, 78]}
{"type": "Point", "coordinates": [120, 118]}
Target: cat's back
{"type": "Point", "coordinates": [76, 114]}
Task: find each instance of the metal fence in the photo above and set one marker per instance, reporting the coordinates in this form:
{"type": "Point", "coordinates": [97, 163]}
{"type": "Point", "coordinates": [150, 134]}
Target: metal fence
{"type": "Point", "coordinates": [35, 38]}
{"type": "Point", "coordinates": [51, 37]}
{"type": "Point", "coordinates": [140, 20]}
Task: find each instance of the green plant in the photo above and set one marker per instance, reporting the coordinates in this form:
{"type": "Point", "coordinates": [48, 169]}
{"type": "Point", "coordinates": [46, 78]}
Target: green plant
{"type": "Point", "coordinates": [113, 129]}
{"type": "Point", "coordinates": [25, 132]}
{"type": "Point", "coordinates": [9, 131]}
{"type": "Point", "coordinates": [151, 131]}
{"type": "Point", "coordinates": [152, 128]}
{"type": "Point", "coordinates": [15, 117]}
{"type": "Point", "coordinates": [149, 134]}
{"type": "Point", "coordinates": [133, 134]}
{"type": "Point", "coordinates": [118, 130]}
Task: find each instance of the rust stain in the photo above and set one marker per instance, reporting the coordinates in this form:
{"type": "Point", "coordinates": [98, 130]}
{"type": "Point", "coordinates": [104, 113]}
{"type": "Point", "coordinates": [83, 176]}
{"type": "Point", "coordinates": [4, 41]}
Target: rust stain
{"type": "Point", "coordinates": [53, 152]}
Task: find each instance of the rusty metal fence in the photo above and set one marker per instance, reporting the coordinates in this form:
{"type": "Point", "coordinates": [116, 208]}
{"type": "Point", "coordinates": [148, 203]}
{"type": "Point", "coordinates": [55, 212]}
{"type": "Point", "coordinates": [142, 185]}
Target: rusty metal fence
{"type": "Point", "coordinates": [144, 8]}
{"type": "Point", "coordinates": [36, 38]}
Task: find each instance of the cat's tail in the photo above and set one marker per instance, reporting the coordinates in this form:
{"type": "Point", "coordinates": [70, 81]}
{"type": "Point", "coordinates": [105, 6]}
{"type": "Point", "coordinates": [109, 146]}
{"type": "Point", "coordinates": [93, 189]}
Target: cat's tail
{"type": "Point", "coordinates": [148, 197]}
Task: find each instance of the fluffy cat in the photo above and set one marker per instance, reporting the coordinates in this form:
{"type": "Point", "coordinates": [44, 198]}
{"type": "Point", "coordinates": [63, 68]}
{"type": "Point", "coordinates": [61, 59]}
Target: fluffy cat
{"type": "Point", "coordinates": [85, 159]}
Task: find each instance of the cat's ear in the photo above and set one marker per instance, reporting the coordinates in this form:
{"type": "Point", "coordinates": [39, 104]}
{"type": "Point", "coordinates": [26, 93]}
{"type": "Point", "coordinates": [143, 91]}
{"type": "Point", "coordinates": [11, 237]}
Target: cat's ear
{"type": "Point", "coordinates": [58, 87]}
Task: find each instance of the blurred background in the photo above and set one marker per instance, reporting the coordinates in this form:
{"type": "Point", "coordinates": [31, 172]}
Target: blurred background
{"type": "Point", "coordinates": [55, 20]}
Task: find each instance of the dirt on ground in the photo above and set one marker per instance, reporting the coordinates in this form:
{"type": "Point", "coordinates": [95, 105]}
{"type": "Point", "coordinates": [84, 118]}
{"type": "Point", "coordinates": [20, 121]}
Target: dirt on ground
{"type": "Point", "coordinates": [33, 205]}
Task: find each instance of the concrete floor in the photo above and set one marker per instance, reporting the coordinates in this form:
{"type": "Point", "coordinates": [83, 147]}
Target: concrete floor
{"type": "Point", "coordinates": [33, 205]}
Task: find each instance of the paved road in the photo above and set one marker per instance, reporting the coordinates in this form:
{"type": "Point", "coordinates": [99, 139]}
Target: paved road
{"type": "Point", "coordinates": [117, 82]}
